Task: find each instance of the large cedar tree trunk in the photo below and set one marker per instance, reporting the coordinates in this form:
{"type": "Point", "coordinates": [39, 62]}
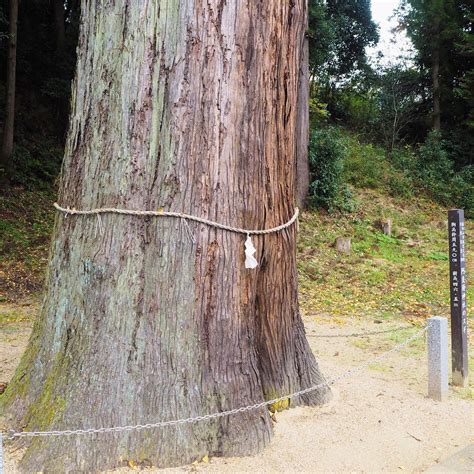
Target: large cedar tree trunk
{"type": "Point", "coordinates": [302, 128]}
{"type": "Point", "coordinates": [9, 121]}
{"type": "Point", "coordinates": [188, 106]}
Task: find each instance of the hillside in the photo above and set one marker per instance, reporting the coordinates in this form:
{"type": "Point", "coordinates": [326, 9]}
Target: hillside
{"type": "Point", "coordinates": [404, 275]}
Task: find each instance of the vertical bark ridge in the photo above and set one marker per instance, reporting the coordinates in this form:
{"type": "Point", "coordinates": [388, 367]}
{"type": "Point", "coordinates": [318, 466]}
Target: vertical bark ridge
{"type": "Point", "coordinates": [189, 106]}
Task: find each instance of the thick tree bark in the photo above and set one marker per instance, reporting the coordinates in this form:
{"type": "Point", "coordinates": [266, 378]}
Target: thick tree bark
{"type": "Point", "coordinates": [188, 106]}
{"type": "Point", "coordinates": [302, 128]}
{"type": "Point", "coordinates": [9, 124]}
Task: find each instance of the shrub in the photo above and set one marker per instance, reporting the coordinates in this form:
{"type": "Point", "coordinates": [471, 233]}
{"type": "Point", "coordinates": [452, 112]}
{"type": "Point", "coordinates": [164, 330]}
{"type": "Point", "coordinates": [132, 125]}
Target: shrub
{"type": "Point", "coordinates": [431, 169]}
{"type": "Point", "coordinates": [434, 168]}
{"type": "Point", "coordinates": [358, 110]}
{"type": "Point", "coordinates": [326, 163]}
{"type": "Point", "coordinates": [400, 184]}
{"type": "Point", "coordinates": [36, 166]}
{"type": "Point", "coordinates": [462, 190]}
{"type": "Point", "coordinates": [404, 159]}
{"type": "Point", "coordinates": [366, 164]}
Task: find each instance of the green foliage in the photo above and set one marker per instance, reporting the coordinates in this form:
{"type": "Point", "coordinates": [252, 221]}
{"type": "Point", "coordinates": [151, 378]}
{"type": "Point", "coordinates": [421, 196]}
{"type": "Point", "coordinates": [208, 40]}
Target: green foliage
{"type": "Point", "coordinates": [36, 166]}
{"type": "Point", "coordinates": [320, 34]}
{"type": "Point", "coordinates": [356, 108]}
{"type": "Point", "coordinates": [442, 33]}
{"type": "Point", "coordinates": [406, 171]}
{"type": "Point", "coordinates": [430, 169]}
{"type": "Point", "coordinates": [404, 158]}
{"type": "Point", "coordinates": [399, 95]}
{"type": "Point", "coordinates": [318, 112]}
{"type": "Point", "coordinates": [400, 184]}
{"type": "Point", "coordinates": [326, 163]}
{"type": "Point", "coordinates": [465, 88]}
{"type": "Point", "coordinates": [435, 170]}
{"type": "Point", "coordinates": [338, 34]}
{"type": "Point", "coordinates": [45, 66]}
{"type": "Point", "coordinates": [366, 164]}
{"type": "Point", "coordinates": [392, 105]}
{"type": "Point", "coordinates": [462, 190]}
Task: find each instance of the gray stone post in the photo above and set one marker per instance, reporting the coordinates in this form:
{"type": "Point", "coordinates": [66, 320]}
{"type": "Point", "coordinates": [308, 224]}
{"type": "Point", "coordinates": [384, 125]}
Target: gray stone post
{"type": "Point", "coordinates": [1, 453]}
{"type": "Point", "coordinates": [438, 358]}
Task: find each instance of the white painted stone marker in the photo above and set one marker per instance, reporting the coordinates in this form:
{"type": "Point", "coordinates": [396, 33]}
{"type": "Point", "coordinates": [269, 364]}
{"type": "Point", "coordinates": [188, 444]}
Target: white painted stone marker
{"type": "Point", "coordinates": [438, 358]}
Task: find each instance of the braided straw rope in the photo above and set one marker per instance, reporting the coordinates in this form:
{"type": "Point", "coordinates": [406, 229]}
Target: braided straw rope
{"type": "Point", "coordinates": [130, 212]}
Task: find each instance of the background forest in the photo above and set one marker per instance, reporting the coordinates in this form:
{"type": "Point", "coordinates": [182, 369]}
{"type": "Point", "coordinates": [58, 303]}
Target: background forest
{"type": "Point", "coordinates": [417, 112]}
{"type": "Point", "coordinates": [402, 129]}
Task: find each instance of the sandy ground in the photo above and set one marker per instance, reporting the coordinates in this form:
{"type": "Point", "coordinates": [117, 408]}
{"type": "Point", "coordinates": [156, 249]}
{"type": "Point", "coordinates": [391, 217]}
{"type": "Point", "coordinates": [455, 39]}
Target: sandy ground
{"type": "Point", "coordinates": [378, 421]}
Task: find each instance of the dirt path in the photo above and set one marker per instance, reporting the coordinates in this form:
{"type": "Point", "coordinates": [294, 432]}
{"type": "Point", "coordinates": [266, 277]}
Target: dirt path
{"type": "Point", "coordinates": [15, 328]}
{"type": "Point", "coordinates": [379, 421]}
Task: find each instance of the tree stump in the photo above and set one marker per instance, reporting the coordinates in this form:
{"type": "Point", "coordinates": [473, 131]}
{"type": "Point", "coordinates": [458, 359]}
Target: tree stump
{"type": "Point", "coordinates": [385, 225]}
{"type": "Point", "coordinates": [343, 245]}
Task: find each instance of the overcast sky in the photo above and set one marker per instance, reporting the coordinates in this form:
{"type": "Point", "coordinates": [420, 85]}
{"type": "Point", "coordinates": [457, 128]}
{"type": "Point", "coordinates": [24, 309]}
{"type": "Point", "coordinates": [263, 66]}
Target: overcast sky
{"type": "Point", "coordinates": [391, 45]}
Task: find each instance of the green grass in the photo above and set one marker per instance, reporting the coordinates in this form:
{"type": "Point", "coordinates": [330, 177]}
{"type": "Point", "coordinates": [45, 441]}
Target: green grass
{"type": "Point", "coordinates": [26, 222]}
{"type": "Point", "coordinates": [14, 315]}
{"type": "Point", "coordinates": [464, 393]}
{"type": "Point", "coordinates": [405, 274]}
{"type": "Point", "coordinates": [380, 368]}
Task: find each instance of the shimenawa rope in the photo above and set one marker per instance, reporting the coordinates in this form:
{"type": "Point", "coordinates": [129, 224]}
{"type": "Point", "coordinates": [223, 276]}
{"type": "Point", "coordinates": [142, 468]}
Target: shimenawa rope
{"type": "Point", "coordinates": [250, 261]}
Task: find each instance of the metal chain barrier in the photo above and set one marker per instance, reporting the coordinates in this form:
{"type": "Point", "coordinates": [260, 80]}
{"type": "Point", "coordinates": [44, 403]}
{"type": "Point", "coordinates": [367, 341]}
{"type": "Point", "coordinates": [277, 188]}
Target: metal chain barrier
{"type": "Point", "coordinates": [11, 434]}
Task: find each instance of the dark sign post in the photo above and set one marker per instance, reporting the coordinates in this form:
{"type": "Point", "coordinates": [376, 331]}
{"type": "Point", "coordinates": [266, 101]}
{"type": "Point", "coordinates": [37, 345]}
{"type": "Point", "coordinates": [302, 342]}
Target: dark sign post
{"type": "Point", "coordinates": [457, 274]}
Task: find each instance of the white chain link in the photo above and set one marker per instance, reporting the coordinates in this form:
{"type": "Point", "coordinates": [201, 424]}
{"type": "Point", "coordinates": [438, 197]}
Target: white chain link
{"type": "Point", "coordinates": [11, 434]}
{"type": "Point", "coordinates": [180, 215]}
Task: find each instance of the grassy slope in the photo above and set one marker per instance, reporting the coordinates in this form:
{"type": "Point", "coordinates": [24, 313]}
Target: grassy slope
{"type": "Point", "coordinates": [26, 222]}
{"type": "Point", "coordinates": [402, 275]}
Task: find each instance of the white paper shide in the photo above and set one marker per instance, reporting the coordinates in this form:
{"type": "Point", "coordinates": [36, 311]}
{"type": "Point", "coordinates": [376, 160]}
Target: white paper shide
{"type": "Point", "coordinates": [250, 260]}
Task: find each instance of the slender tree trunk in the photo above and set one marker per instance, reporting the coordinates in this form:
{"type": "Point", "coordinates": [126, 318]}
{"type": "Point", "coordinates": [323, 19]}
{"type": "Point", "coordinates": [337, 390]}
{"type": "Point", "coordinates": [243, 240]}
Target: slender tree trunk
{"type": "Point", "coordinates": [189, 106]}
{"type": "Point", "coordinates": [58, 9]}
{"type": "Point", "coordinates": [302, 128]}
{"type": "Point", "coordinates": [395, 117]}
{"type": "Point", "coordinates": [9, 125]}
{"type": "Point", "coordinates": [435, 76]}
